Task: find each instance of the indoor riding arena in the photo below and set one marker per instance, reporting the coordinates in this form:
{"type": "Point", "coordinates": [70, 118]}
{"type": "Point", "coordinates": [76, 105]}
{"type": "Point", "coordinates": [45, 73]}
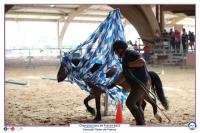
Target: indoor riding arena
{"type": "Point", "coordinates": [36, 37]}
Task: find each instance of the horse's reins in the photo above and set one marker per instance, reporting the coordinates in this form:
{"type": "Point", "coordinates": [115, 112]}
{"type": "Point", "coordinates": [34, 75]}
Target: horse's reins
{"type": "Point", "coordinates": [147, 92]}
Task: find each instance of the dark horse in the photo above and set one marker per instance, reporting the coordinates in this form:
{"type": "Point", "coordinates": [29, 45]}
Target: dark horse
{"type": "Point", "coordinates": [155, 85]}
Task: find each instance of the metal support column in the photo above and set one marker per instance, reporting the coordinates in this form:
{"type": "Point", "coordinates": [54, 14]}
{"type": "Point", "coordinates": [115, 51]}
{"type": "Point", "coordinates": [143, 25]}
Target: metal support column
{"type": "Point", "coordinates": [59, 41]}
{"type": "Point", "coordinates": [157, 12]}
{"type": "Point", "coordinates": [161, 19]}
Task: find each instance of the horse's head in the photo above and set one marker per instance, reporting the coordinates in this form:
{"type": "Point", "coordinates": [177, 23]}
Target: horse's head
{"type": "Point", "coordinates": [64, 70]}
{"type": "Point", "coordinates": [62, 73]}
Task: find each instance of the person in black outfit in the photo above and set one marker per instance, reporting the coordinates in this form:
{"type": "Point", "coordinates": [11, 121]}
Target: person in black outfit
{"type": "Point", "coordinates": [184, 41]}
{"type": "Point", "coordinates": [133, 65]}
{"type": "Point", "coordinates": [192, 40]}
{"type": "Point", "coordinates": [172, 39]}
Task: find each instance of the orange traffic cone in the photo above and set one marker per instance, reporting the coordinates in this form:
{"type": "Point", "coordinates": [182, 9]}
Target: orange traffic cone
{"type": "Point", "coordinates": [119, 118]}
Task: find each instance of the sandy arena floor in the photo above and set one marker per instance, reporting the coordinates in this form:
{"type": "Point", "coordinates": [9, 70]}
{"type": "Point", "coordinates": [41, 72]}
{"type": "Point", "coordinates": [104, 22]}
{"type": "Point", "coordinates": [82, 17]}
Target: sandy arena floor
{"type": "Point", "coordinates": [46, 102]}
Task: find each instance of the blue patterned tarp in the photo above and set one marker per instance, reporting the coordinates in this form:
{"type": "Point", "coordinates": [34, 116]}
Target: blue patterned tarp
{"type": "Point", "coordinates": [101, 41]}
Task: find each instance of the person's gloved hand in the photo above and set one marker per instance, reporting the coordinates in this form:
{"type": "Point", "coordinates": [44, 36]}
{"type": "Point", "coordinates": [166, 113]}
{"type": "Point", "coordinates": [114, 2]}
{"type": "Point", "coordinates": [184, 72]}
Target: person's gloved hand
{"type": "Point", "coordinates": [111, 85]}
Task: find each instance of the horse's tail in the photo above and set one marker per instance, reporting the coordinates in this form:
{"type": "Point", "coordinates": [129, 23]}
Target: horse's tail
{"type": "Point", "coordinates": [158, 89]}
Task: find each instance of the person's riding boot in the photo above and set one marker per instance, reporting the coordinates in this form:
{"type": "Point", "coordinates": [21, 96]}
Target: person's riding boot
{"type": "Point", "coordinates": [139, 120]}
{"type": "Point", "coordinates": [138, 116]}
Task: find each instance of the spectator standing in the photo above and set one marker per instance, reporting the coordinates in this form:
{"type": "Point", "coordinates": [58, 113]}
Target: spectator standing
{"type": "Point", "coordinates": [172, 39]}
{"type": "Point", "coordinates": [135, 46]}
{"type": "Point", "coordinates": [184, 40]}
{"type": "Point", "coordinates": [165, 33]}
{"type": "Point", "coordinates": [177, 36]}
{"type": "Point", "coordinates": [192, 40]}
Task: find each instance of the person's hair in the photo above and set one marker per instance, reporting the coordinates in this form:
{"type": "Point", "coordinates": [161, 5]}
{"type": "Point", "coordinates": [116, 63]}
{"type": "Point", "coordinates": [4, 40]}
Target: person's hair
{"type": "Point", "coordinates": [120, 45]}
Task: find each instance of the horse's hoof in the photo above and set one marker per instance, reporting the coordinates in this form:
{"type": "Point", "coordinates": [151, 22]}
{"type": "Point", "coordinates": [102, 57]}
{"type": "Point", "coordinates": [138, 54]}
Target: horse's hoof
{"type": "Point", "coordinates": [97, 119]}
{"type": "Point", "coordinates": [158, 118]}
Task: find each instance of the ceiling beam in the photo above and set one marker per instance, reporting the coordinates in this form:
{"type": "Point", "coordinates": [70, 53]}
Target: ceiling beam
{"type": "Point", "coordinates": [35, 13]}
{"type": "Point", "coordinates": [52, 14]}
{"type": "Point", "coordinates": [86, 21]}
{"type": "Point", "coordinates": [42, 7]}
{"type": "Point", "coordinates": [8, 7]}
{"type": "Point", "coordinates": [178, 18]}
{"type": "Point", "coordinates": [30, 19]}
{"type": "Point", "coordinates": [56, 7]}
{"type": "Point", "coordinates": [186, 9]}
{"type": "Point", "coordinates": [178, 7]}
{"type": "Point", "coordinates": [51, 20]}
{"type": "Point", "coordinates": [93, 15]}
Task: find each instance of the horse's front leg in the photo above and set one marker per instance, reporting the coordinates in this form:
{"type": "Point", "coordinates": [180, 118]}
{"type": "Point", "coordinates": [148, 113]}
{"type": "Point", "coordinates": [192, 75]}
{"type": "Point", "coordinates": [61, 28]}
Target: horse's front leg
{"type": "Point", "coordinates": [98, 102]}
{"type": "Point", "coordinates": [86, 100]}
